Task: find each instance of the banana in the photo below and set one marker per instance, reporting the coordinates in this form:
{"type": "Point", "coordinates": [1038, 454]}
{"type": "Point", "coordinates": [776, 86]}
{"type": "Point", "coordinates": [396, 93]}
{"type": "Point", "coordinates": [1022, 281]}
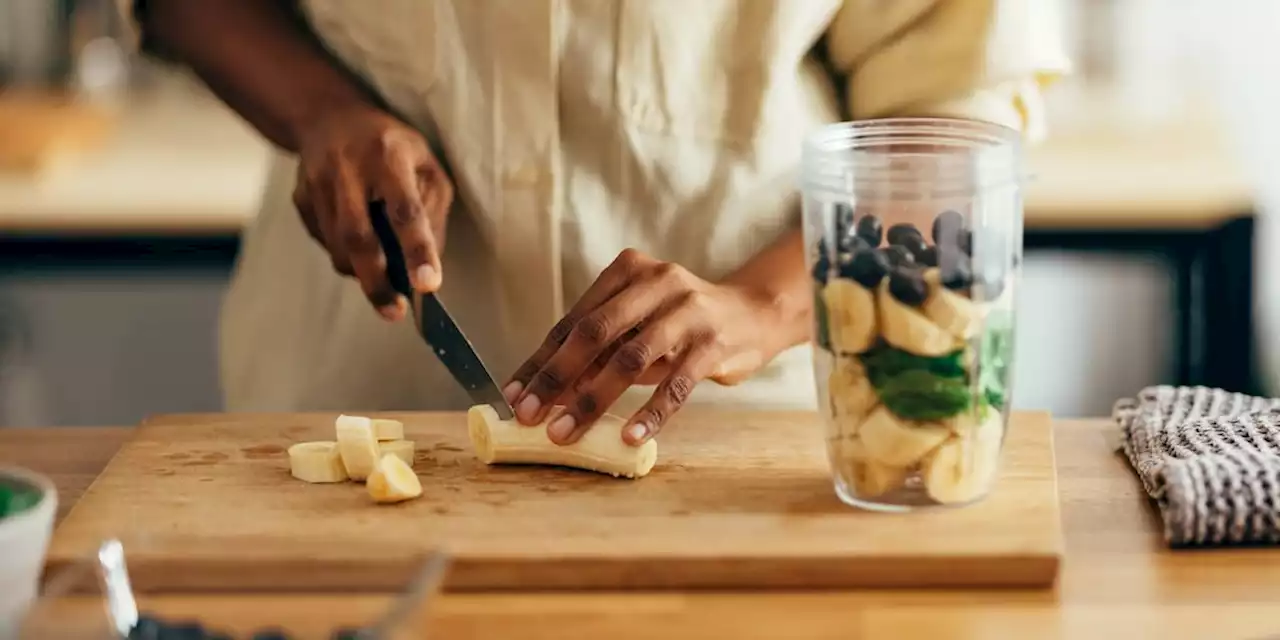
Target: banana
{"type": "Point", "coordinates": [851, 316]}
{"type": "Point", "coordinates": [316, 462]}
{"type": "Point", "coordinates": [393, 481]}
{"type": "Point", "coordinates": [872, 480]}
{"type": "Point", "coordinates": [402, 449]}
{"type": "Point", "coordinates": [910, 330]}
{"type": "Point", "coordinates": [952, 312]}
{"type": "Point", "coordinates": [357, 446]}
{"type": "Point", "coordinates": [964, 468]}
{"type": "Point", "coordinates": [891, 441]}
{"type": "Point", "coordinates": [851, 395]}
{"type": "Point", "coordinates": [600, 449]}
{"type": "Point", "coordinates": [385, 430]}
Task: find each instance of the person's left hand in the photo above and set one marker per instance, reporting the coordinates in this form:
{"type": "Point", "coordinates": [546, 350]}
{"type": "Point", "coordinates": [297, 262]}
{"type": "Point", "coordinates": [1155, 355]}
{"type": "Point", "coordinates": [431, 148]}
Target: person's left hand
{"type": "Point", "coordinates": [642, 321]}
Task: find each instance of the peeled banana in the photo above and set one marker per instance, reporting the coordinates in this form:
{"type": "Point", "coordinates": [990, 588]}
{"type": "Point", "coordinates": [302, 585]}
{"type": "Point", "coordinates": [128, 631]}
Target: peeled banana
{"type": "Point", "coordinates": [851, 395]}
{"type": "Point", "coordinates": [872, 479]}
{"type": "Point", "coordinates": [851, 316]}
{"type": "Point", "coordinates": [392, 480]}
{"type": "Point", "coordinates": [964, 468]}
{"type": "Point", "coordinates": [402, 449]}
{"type": "Point", "coordinates": [910, 330]}
{"type": "Point", "coordinates": [357, 446]}
{"type": "Point", "coordinates": [953, 313]}
{"type": "Point", "coordinates": [892, 441]}
{"type": "Point", "coordinates": [385, 430]}
{"type": "Point", "coordinates": [316, 462]}
{"type": "Point", "coordinates": [600, 449]}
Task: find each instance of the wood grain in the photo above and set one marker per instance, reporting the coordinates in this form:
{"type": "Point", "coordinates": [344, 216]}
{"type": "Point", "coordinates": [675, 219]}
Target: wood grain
{"type": "Point", "coordinates": [736, 500]}
{"type": "Point", "coordinates": [1117, 580]}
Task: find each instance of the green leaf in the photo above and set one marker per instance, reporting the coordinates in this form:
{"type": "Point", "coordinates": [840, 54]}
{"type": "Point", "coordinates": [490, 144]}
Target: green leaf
{"type": "Point", "coordinates": [883, 362]}
{"type": "Point", "coordinates": [995, 358]}
{"type": "Point", "coordinates": [922, 395]}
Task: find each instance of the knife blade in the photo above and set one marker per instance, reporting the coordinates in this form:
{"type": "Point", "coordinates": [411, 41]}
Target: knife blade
{"type": "Point", "coordinates": [435, 325]}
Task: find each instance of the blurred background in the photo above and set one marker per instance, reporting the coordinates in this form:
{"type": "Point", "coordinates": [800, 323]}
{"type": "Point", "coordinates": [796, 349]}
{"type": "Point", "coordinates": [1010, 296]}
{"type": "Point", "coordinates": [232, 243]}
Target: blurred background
{"type": "Point", "coordinates": [123, 189]}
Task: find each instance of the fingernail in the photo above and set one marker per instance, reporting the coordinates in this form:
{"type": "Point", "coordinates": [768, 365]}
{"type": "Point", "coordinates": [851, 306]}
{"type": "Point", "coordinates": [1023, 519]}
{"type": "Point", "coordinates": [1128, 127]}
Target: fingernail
{"type": "Point", "coordinates": [638, 432]}
{"type": "Point", "coordinates": [512, 390]}
{"type": "Point", "coordinates": [559, 430]}
{"type": "Point", "coordinates": [528, 409]}
{"type": "Point", "coordinates": [423, 275]}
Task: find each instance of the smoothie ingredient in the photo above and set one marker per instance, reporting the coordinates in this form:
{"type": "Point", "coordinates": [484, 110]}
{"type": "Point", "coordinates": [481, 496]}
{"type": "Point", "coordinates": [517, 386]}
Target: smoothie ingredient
{"type": "Point", "coordinates": [16, 498]}
{"type": "Point", "coordinates": [867, 268]}
{"type": "Point", "coordinates": [873, 479]}
{"type": "Point", "coordinates": [908, 329]}
{"type": "Point", "coordinates": [897, 256]}
{"type": "Point", "coordinates": [357, 445]}
{"type": "Point", "coordinates": [921, 395]}
{"type": "Point", "coordinates": [393, 480]}
{"type": "Point", "coordinates": [384, 429]}
{"type": "Point", "coordinates": [851, 316]}
{"type": "Point", "coordinates": [908, 286]}
{"type": "Point", "coordinates": [904, 235]}
{"type": "Point", "coordinates": [402, 449]}
{"type": "Point", "coordinates": [869, 228]}
{"type": "Point", "coordinates": [893, 441]}
{"type": "Point", "coordinates": [851, 394]}
{"type": "Point", "coordinates": [317, 462]}
{"type": "Point", "coordinates": [964, 467]}
{"type": "Point", "coordinates": [952, 312]}
{"type": "Point", "coordinates": [947, 226]}
{"type": "Point", "coordinates": [600, 449]}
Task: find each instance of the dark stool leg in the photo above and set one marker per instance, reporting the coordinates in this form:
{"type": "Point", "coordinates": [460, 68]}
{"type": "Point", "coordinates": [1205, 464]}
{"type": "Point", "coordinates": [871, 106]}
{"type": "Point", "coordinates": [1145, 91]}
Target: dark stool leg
{"type": "Point", "coordinates": [1226, 279]}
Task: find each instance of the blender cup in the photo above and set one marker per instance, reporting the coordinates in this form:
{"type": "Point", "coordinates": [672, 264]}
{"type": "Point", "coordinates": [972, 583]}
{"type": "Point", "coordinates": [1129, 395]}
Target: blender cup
{"type": "Point", "coordinates": [914, 236]}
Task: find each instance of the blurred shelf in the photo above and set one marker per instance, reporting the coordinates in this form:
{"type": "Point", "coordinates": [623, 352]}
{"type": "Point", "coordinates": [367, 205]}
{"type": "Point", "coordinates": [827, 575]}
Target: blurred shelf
{"type": "Point", "coordinates": [174, 165]}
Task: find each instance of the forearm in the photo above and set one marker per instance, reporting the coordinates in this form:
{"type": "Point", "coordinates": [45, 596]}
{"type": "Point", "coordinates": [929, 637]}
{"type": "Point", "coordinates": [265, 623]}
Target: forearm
{"type": "Point", "coordinates": [257, 57]}
{"type": "Point", "coordinates": [779, 279]}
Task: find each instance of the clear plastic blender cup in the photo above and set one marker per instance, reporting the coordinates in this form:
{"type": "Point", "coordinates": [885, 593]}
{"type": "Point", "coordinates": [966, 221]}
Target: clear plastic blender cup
{"type": "Point", "coordinates": [914, 235]}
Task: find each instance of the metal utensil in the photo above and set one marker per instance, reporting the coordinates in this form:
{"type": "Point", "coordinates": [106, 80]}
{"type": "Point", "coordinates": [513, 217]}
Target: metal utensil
{"type": "Point", "coordinates": [436, 326]}
{"type": "Point", "coordinates": [415, 601]}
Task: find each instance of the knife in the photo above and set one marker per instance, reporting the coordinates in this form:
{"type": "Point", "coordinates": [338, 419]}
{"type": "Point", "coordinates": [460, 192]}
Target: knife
{"type": "Point", "coordinates": [435, 325]}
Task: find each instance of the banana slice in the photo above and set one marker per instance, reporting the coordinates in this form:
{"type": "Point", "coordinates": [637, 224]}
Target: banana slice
{"type": "Point", "coordinates": [909, 330]}
{"type": "Point", "coordinates": [952, 312]}
{"type": "Point", "coordinates": [385, 430]}
{"type": "Point", "coordinates": [872, 480]}
{"type": "Point", "coordinates": [891, 441]}
{"type": "Point", "coordinates": [316, 462]}
{"type": "Point", "coordinates": [964, 468]}
{"type": "Point", "coordinates": [851, 394]}
{"type": "Point", "coordinates": [393, 481]}
{"type": "Point", "coordinates": [851, 315]}
{"type": "Point", "coordinates": [357, 446]}
{"type": "Point", "coordinates": [600, 449]}
{"type": "Point", "coordinates": [402, 449]}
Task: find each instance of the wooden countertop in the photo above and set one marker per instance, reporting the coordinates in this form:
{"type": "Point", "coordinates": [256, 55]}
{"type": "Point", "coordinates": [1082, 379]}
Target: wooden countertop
{"type": "Point", "coordinates": [182, 166]}
{"type": "Point", "coordinates": [1118, 579]}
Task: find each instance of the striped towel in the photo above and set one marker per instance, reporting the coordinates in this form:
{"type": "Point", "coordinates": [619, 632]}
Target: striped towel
{"type": "Point", "coordinates": [1211, 461]}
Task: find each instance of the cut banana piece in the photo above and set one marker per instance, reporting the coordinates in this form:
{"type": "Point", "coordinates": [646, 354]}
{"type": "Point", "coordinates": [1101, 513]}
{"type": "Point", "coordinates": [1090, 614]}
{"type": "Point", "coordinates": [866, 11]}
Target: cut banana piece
{"type": "Point", "coordinates": [316, 462]}
{"type": "Point", "coordinates": [356, 445]}
{"type": "Point", "coordinates": [851, 316]}
{"type": "Point", "coordinates": [953, 313]}
{"type": "Point", "coordinates": [910, 330]}
{"type": "Point", "coordinates": [385, 430]}
{"type": "Point", "coordinates": [891, 441]}
{"type": "Point", "coordinates": [964, 468]}
{"type": "Point", "coordinates": [600, 449]}
{"type": "Point", "coordinates": [851, 393]}
{"type": "Point", "coordinates": [872, 480]}
{"type": "Point", "coordinates": [393, 481]}
{"type": "Point", "coordinates": [402, 449]}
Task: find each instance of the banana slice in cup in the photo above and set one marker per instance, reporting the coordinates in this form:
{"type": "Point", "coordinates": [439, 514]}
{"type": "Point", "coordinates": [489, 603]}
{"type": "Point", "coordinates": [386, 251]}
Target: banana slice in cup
{"type": "Point", "coordinates": [894, 442]}
{"type": "Point", "coordinates": [851, 316]}
{"type": "Point", "coordinates": [909, 329]}
{"type": "Point", "coordinates": [964, 468]}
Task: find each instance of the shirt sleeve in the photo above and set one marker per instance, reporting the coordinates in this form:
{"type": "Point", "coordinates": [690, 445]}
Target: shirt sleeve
{"type": "Point", "coordinates": [978, 59]}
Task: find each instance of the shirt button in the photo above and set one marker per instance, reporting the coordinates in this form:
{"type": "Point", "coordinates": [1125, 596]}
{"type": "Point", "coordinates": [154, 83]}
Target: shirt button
{"type": "Point", "coordinates": [524, 176]}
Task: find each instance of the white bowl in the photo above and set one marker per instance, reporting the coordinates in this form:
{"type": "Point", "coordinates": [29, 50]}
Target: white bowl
{"type": "Point", "coordinates": [24, 538]}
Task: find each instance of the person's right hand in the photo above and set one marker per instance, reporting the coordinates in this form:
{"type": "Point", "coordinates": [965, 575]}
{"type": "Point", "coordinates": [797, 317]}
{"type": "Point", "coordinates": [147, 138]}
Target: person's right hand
{"type": "Point", "coordinates": [350, 157]}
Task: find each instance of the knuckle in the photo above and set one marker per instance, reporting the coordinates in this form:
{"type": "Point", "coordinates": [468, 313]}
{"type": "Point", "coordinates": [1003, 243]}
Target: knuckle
{"type": "Point", "coordinates": [593, 330]}
{"type": "Point", "coordinates": [359, 240]}
{"type": "Point", "coordinates": [630, 261]}
{"type": "Point", "coordinates": [669, 272]}
{"type": "Point", "coordinates": [632, 358]}
{"type": "Point", "coordinates": [561, 331]}
{"type": "Point", "coordinates": [405, 213]}
{"type": "Point", "coordinates": [677, 389]}
{"type": "Point", "coordinates": [548, 381]}
{"type": "Point", "coordinates": [587, 405]}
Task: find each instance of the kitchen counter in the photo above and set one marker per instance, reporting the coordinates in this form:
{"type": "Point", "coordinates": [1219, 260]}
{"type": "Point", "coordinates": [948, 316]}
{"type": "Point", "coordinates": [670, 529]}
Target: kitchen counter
{"type": "Point", "coordinates": [1117, 580]}
{"type": "Point", "coordinates": [183, 166]}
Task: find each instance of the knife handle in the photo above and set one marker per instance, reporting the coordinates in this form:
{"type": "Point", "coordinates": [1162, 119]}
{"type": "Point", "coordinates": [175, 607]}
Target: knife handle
{"type": "Point", "coordinates": [397, 272]}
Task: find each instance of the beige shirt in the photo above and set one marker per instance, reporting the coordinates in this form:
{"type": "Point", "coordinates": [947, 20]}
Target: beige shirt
{"type": "Point", "coordinates": [577, 128]}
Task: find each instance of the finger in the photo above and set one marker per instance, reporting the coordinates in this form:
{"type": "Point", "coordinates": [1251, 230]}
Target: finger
{"type": "Point", "coordinates": [696, 364]}
{"type": "Point", "coordinates": [350, 203]}
{"type": "Point", "coordinates": [437, 196]}
{"type": "Point", "coordinates": [408, 215]}
{"type": "Point", "coordinates": [588, 338]}
{"type": "Point", "coordinates": [327, 221]}
{"type": "Point", "coordinates": [617, 275]}
{"type": "Point", "coordinates": [624, 368]}
{"type": "Point", "coordinates": [306, 211]}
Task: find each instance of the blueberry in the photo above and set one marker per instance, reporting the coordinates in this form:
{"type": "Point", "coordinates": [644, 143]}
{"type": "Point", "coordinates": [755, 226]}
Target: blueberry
{"type": "Point", "coordinates": [964, 241]}
{"type": "Point", "coordinates": [897, 255]}
{"type": "Point", "coordinates": [870, 229]}
{"type": "Point", "coordinates": [947, 225]}
{"type": "Point", "coordinates": [908, 286]}
{"type": "Point", "coordinates": [848, 244]}
{"type": "Point", "coordinates": [916, 245]}
{"type": "Point", "coordinates": [844, 219]}
{"type": "Point", "coordinates": [928, 257]}
{"type": "Point", "coordinates": [956, 275]}
{"type": "Point", "coordinates": [902, 232]}
{"type": "Point", "coordinates": [867, 268]}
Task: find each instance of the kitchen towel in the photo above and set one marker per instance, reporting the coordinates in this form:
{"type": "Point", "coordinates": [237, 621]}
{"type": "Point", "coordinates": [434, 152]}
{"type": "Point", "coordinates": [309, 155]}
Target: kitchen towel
{"type": "Point", "coordinates": [1211, 461]}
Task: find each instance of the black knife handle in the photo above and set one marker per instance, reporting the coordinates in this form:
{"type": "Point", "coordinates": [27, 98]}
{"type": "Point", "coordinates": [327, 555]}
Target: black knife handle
{"type": "Point", "coordinates": [397, 271]}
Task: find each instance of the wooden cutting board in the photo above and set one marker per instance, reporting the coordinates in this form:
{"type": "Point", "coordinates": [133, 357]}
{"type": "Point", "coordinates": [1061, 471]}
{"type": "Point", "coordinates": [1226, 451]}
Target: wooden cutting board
{"type": "Point", "coordinates": [737, 499]}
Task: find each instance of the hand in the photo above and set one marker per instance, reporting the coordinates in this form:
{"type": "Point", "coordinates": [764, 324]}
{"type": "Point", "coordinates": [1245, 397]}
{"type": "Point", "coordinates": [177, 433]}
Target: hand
{"type": "Point", "coordinates": [357, 155]}
{"type": "Point", "coordinates": [643, 321]}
